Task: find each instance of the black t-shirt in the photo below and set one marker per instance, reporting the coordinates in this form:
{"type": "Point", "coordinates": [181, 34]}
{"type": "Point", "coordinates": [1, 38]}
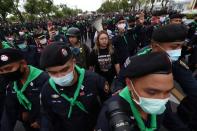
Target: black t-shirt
{"type": "Point", "coordinates": [104, 63]}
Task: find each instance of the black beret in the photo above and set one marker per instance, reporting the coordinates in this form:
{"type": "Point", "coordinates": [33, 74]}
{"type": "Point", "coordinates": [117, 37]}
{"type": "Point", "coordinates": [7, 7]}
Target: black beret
{"type": "Point", "coordinates": [177, 15]}
{"type": "Point", "coordinates": [119, 18]}
{"type": "Point", "coordinates": [170, 33]}
{"type": "Point", "coordinates": [10, 55]}
{"type": "Point", "coordinates": [55, 54]}
{"type": "Point", "coordinates": [153, 63]}
{"type": "Point", "coordinates": [131, 19]}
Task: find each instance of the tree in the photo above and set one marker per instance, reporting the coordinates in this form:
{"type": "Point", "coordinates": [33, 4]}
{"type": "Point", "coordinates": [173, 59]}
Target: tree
{"type": "Point", "coordinates": [140, 3]}
{"type": "Point", "coordinates": [45, 7]}
{"type": "Point", "coordinates": [152, 5]}
{"type": "Point", "coordinates": [114, 5]}
{"type": "Point", "coordinates": [31, 7]}
{"type": "Point", "coordinates": [6, 7]}
{"type": "Point", "coordinates": [17, 11]}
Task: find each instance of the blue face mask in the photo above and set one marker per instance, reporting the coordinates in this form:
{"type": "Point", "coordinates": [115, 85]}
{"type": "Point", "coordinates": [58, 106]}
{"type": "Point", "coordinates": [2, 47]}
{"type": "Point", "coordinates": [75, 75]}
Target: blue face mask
{"type": "Point", "coordinates": [174, 54]}
{"type": "Point", "coordinates": [149, 105]}
{"type": "Point", "coordinates": [22, 46]}
{"type": "Point", "coordinates": [75, 51]}
{"type": "Point", "coordinates": [65, 80]}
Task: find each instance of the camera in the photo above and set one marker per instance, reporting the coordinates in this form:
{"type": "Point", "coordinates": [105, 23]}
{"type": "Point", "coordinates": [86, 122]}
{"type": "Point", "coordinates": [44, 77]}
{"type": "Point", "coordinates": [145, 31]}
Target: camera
{"type": "Point", "coordinates": [118, 118]}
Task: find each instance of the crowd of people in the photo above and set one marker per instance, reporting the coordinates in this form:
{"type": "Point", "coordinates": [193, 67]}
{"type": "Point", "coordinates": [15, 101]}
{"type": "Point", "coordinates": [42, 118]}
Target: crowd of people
{"type": "Point", "coordinates": [53, 80]}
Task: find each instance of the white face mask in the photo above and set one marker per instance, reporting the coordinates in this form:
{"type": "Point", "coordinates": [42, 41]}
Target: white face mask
{"type": "Point", "coordinates": [149, 105]}
{"type": "Point", "coordinates": [65, 80]}
{"type": "Point", "coordinates": [174, 54]}
{"type": "Point", "coordinates": [121, 26]}
{"type": "Point", "coordinates": [21, 33]}
{"type": "Point", "coordinates": [57, 33]}
{"type": "Point", "coordinates": [162, 19]}
{"type": "Point", "coordinates": [10, 39]}
{"type": "Point", "coordinates": [43, 41]}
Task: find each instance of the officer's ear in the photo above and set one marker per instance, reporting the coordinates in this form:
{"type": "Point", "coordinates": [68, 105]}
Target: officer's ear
{"type": "Point", "coordinates": [24, 63]}
{"type": "Point", "coordinates": [154, 46]}
{"type": "Point", "coordinates": [128, 83]}
{"type": "Point", "coordinates": [74, 61]}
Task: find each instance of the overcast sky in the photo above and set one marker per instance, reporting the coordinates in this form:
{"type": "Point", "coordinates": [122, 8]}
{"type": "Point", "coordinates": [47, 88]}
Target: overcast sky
{"type": "Point", "coordinates": [89, 5]}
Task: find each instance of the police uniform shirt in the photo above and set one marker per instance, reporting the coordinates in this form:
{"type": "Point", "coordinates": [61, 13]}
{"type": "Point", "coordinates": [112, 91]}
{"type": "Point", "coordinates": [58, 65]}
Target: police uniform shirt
{"type": "Point", "coordinates": [14, 109]}
{"type": "Point", "coordinates": [125, 46]}
{"type": "Point", "coordinates": [56, 108]}
{"type": "Point", "coordinates": [168, 119]}
{"type": "Point", "coordinates": [180, 70]}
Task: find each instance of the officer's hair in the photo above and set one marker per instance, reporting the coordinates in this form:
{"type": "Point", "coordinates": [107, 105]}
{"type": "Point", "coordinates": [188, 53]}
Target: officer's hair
{"type": "Point", "coordinates": [109, 46]}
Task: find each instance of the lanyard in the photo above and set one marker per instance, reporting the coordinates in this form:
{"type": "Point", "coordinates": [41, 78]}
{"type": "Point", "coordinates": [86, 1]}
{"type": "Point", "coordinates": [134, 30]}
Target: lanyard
{"type": "Point", "coordinates": [73, 100]}
{"type": "Point", "coordinates": [34, 73]}
{"type": "Point", "coordinates": [125, 94]}
{"type": "Point", "coordinates": [125, 39]}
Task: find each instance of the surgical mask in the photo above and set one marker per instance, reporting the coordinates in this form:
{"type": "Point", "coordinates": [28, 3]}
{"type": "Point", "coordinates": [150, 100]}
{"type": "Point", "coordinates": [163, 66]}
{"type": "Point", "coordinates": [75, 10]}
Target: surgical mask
{"type": "Point", "coordinates": [21, 33]}
{"type": "Point", "coordinates": [22, 46]}
{"type": "Point", "coordinates": [75, 51]}
{"type": "Point", "coordinates": [11, 39]}
{"type": "Point", "coordinates": [65, 80]}
{"type": "Point", "coordinates": [121, 26]}
{"type": "Point", "coordinates": [162, 19]}
{"type": "Point", "coordinates": [43, 41]}
{"type": "Point", "coordinates": [57, 33]}
{"type": "Point", "coordinates": [174, 54]}
{"type": "Point", "coordinates": [150, 105]}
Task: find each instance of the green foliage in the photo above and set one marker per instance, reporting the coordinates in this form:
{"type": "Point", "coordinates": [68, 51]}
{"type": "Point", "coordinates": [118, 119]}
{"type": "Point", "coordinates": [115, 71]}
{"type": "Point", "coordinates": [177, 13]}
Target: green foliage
{"type": "Point", "coordinates": [6, 7]}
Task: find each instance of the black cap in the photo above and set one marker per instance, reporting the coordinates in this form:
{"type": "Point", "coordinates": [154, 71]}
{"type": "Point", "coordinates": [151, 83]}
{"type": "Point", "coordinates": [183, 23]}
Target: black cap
{"type": "Point", "coordinates": [131, 19]}
{"type": "Point", "coordinates": [55, 54]}
{"type": "Point", "coordinates": [153, 63]}
{"type": "Point", "coordinates": [10, 55]}
{"type": "Point", "coordinates": [170, 33]}
{"type": "Point", "coordinates": [73, 31]}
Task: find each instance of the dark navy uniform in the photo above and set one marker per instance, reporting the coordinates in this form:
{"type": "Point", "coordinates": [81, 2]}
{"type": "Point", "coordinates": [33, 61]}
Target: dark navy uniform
{"type": "Point", "coordinates": [167, 119]}
{"type": "Point", "coordinates": [125, 46]}
{"type": "Point", "coordinates": [184, 77]}
{"type": "Point", "coordinates": [14, 110]}
{"type": "Point", "coordinates": [3, 83]}
{"type": "Point", "coordinates": [56, 108]}
{"type": "Point", "coordinates": [181, 74]}
{"type": "Point", "coordinates": [31, 55]}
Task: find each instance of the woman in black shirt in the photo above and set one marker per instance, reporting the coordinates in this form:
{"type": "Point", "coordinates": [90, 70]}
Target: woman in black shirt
{"type": "Point", "coordinates": [103, 58]}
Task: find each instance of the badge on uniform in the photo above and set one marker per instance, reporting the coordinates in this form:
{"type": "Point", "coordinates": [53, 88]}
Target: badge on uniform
{"type": "Point", "coordinates": [31, 84]}
{"type": "Point", "coordinates": [4, 58]}
{"type": "Point", "coordinates": [55, 96]}
{"type": "Point", "coordinates": [64, 52]}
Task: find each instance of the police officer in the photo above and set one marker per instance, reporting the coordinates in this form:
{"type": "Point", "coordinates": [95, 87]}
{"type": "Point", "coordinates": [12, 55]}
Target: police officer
{"type": "Point", "coordinates": [3, 83]}
{"type": "Point", "coordinates": [72, 97]}
{"type": "Point", "coordinates": [175, 35]}
{"type": "Point", "coordinates": [23, 91]}
{"type": "Point", "coordinates": [29, 51]}
{"type": "Point", "coordinates": [124, 42]}
{"type": "Point", "coordinates": [143, 104]}
{"type": "Point", "coordinates": [176, 18]}
{"type": "Point", "coordinates": [105, 28]}
{"type": "Point", "coordinates": [81, 51]}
